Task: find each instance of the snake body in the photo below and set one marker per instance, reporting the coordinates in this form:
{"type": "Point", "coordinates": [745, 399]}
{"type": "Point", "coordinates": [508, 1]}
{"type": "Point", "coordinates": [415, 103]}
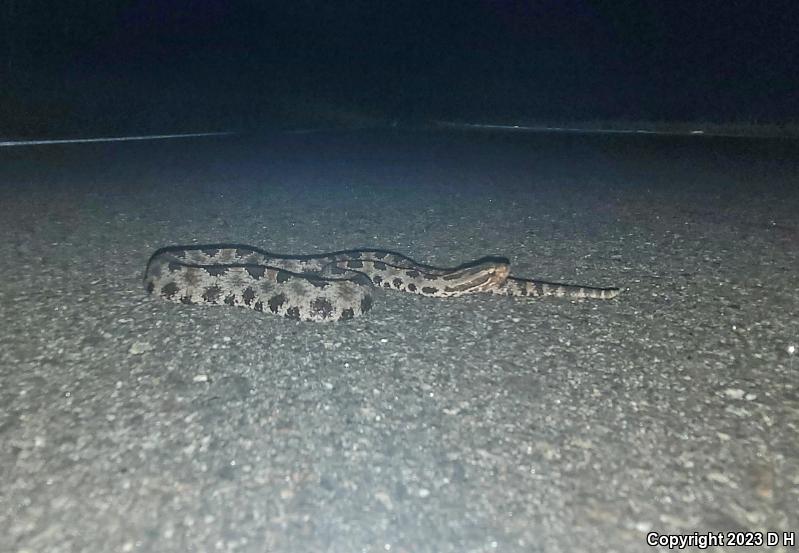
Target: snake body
{"type": "Point", "coordinates": [328, 287]}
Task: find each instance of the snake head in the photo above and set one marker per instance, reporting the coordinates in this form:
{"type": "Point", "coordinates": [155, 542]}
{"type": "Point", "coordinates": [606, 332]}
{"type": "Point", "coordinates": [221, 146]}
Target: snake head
{"type": "Point", "coordinates": [480, 277]}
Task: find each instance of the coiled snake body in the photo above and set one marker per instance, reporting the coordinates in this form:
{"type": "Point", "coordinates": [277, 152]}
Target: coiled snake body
{"type": "Point", "coordinates": [329, 287]}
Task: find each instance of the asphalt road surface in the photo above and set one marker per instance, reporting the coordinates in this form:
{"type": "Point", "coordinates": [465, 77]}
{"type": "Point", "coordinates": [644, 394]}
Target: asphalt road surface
{"type": "Point", "coordinates": [477, 424]}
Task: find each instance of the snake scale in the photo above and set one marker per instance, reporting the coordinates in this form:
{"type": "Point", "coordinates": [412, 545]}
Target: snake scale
{"type": "Point", "coordinates": [328, 287]}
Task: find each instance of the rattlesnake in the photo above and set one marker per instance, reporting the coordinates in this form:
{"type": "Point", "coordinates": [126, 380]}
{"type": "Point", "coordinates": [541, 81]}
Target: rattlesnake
{"type": "Point", "coordinates": [327, 287]}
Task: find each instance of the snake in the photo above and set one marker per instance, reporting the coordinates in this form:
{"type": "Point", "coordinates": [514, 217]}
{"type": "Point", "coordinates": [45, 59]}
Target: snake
{"type": "Point", "coordinates": [334, 286]}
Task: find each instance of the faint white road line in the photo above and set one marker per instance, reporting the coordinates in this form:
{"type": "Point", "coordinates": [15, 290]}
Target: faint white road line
{"type": "Point", "coordinates": [563, 129]}
{"type": "Point", "coordinates": [112, 139]}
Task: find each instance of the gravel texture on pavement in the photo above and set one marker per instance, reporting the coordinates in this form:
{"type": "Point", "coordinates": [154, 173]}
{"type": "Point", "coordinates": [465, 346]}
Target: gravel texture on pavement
{"type": "Point", "coordinates": [429, 425]}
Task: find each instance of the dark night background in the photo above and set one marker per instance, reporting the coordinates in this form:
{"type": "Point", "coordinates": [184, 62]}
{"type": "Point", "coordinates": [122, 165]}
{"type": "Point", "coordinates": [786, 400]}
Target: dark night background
{"type": "Point", "coordinates": [155, 65]}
